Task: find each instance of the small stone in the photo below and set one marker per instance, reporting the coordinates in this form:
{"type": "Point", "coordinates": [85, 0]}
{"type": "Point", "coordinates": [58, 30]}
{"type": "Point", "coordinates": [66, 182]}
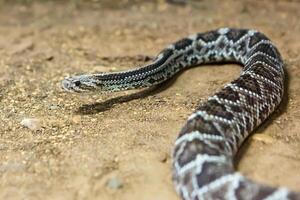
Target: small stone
{"type": "Point", "coordinates": [49, 57]}
{"type": "Point", "coordinates": [32, 123]}
{"type": "Point", "coordinates": [53, 107]}
{"type": "Point", "coordinates": [76, 119]}
{"type": "Point", "coordinates": [114, 183]}
{"type": "Point", "coordinates": [163, 157]}
{"type": "Point", "coordinates": [263, 138]}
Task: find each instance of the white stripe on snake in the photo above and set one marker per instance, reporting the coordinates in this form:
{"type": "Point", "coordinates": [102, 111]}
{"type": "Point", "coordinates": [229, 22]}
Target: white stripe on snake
{"type": "Point", "coordinates": [205, 148]}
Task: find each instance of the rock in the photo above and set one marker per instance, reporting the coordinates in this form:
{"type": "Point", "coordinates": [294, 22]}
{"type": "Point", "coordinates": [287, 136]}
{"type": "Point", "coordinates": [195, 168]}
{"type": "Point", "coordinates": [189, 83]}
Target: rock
{"type": "Point", "coordinates": [263, 138]}
{"type": "Point", "coordinates": [76, 119]}
{"type": "Point", "coordinates": [163, 157]}
{"type": "Point", "coordinates": [32, 123]}
{"type": "Point", "coordinates": [54, 107]}
{"type": "Point", "coordinates": [114, 183]}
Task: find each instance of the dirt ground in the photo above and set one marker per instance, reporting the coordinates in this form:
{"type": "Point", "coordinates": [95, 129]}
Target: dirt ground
{"type": "Point", "coordinates": [118, 146]}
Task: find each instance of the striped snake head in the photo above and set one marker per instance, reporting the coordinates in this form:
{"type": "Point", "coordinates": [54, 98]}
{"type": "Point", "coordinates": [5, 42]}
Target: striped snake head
{"type": "Point", "coordinates": [81, 83]}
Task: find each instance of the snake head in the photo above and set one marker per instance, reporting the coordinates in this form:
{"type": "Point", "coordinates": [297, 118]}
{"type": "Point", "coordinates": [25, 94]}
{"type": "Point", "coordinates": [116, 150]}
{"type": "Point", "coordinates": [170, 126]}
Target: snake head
{"type": "Point", "coordinates": [82, 83]}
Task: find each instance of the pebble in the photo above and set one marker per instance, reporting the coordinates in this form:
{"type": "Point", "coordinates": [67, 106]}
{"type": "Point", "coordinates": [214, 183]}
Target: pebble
{"type": "Point", "coordinates": [114, 183]}
{"type": "Point", "coordinates": [163, 157]}
{"type": "Point", "coordinates": [32, 123]}
{"type": "Point", "coordinates": [76, 119]}
{"type": "Point", "coordinates": [53, 107]}
{"type": "Point", "coordinates": [263, 138]}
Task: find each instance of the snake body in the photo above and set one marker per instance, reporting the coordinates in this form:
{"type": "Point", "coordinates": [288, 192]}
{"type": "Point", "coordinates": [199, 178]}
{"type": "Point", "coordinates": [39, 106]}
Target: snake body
{"type": "Point", "coordinates": [205, 148]}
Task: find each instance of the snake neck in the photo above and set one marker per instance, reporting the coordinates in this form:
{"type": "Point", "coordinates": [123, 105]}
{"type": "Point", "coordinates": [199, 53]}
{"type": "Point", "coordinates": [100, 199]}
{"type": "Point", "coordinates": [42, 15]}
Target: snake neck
{"type": "Point", "coordinates": [210, 47]}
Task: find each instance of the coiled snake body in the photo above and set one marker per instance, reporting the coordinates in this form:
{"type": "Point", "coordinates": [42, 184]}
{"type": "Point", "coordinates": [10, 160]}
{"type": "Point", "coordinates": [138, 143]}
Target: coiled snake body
{"type": "Point", "coordinates": [204, 150]}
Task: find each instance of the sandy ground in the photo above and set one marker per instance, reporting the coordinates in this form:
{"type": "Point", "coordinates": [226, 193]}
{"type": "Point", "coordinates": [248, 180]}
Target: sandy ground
{"type": "Point", "coordinates": [118, 146]}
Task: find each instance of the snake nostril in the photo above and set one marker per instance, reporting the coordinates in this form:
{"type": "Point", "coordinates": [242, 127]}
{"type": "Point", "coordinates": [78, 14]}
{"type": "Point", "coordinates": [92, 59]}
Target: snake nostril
{"type": "Point", "coordinates": [77, 83]}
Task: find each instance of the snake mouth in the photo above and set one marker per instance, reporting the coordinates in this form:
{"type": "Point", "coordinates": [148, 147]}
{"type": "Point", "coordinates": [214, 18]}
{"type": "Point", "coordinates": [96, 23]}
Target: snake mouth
{"type": "Point", "coordinates": [80, 84]}
{"type": "Point", "coordinates": [69, 85]}
{"type": "Point", "coordinates": [65, 84]}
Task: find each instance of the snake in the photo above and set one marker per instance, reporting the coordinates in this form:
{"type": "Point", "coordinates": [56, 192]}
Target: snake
{"type": "Point", "coordinates": [205, 149]}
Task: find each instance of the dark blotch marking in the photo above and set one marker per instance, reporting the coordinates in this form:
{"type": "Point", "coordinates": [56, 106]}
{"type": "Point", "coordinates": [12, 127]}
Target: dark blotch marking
{"type": "Point", "coordinates": [201, 125]}
{"type": "Point", "coordinates": [256, 38]}
{"type": "Point", "coordinates": [235, 34]}
{"type": "Point", "coordinates": [246, 187]}
{"type": "Point", "coordinates": [212, 107]}
{"type": "Point", "coordinates": [236, 109]}
{"type": "Point", "coordinates": [247, 82]}
{"type": "Point", "coordinates": [262, 58]}
{"type": "Point", "coordinates": [208, 36]}
{"type": "Point", "coordinates": [242, 48]}
{"type": "Point", "coordinates": [265, 71]}
{"type": "Point", "coordinates": [229, 94]}
{"type": "Point", "coordinates": [293, 196]}
{"type": "Point", "coordinates": [199, 47]}
{"type": "Point", "coordinates": [190, 52]}
{"type": "Point", "coordinates": [221, 44]}
{"type": "Point", "coordinates": [268, 49]}
{"type": "Point", "coordinates": [207, 126]}
{"type": "Point", "coordinates": [197, 147]}
{"type": "Point", "coordinates": [183, 43]}
{"type": "Point", "coordinates": [213, 171]}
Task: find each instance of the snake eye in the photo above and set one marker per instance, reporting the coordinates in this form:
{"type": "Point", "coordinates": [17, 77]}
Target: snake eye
{"type": "Point", "coordinates": [77, 83]}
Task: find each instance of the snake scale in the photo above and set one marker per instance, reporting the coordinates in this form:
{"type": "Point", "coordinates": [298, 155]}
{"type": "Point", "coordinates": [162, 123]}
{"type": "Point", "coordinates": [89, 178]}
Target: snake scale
{"type": "Point", "coordinates": [208, 142]}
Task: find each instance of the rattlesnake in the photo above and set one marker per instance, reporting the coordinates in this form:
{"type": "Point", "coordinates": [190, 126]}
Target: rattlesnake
{"type": "Point", "coordinates": [205, 148]}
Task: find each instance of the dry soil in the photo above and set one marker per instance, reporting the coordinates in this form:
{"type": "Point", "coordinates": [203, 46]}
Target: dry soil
{"type": "Point", "coordinates": [118, 146]}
